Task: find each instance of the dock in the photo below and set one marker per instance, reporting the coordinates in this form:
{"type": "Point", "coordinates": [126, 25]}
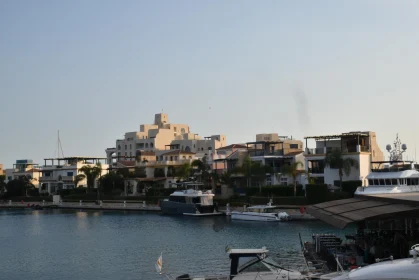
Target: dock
{"type": "Point", "coordinates": [117, 206]}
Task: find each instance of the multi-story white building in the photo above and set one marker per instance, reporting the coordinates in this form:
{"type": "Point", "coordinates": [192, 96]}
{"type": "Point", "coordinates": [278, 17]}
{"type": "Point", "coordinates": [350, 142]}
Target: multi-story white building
{"type": "Point", "coordinates": [268, 149]}
{"type": "Point", "coordinates": [26, 168]}
{"type": "Point", "coordinates": [60, 173]}
{"type": "Point", "coordinates": [361, 146]}
{"type": "Point", "coordinates": [160, 136]}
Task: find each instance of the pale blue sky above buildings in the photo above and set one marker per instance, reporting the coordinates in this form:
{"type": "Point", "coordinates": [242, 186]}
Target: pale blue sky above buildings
{"type": "Point", "coordinates": [97, 69]}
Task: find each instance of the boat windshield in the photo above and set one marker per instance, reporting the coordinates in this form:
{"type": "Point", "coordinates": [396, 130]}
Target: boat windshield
{"type": "Point", "coordinates": [262, 210]}
{"type": "Point", "coordinates": [257, 264]}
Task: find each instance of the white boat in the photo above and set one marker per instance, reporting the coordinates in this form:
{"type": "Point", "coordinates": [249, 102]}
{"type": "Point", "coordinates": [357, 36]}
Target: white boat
{"type": "Point", "coordinates": [394, 177]}
{"type": "Point", "coordinates": [264, 213]}
{"type": "Point", "coordinates": [406, 269]}
{"type": "Point", "coordinates": [190, 202]}
{"type": "Point", "coordinates": [246, 264]}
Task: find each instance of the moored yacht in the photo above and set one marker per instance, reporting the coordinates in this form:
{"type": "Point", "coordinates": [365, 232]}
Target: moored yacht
{"type": "Point", "coordinates": [246, 264]}
{"type": "Point", "coordinates": [394, 177]}
{"type": "Point", "coordinates": [264, 213]}
{"type": "Point", "coordinates": [192, 202]}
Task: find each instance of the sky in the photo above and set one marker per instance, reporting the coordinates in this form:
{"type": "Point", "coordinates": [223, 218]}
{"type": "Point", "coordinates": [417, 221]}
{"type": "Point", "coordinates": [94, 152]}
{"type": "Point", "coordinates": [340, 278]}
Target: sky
{"type": "Point", "coordinates": [96, 69]}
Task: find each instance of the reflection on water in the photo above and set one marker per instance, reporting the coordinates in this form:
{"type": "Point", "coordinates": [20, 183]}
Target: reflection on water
{"type": "Point", "coordinates": [67, 244]}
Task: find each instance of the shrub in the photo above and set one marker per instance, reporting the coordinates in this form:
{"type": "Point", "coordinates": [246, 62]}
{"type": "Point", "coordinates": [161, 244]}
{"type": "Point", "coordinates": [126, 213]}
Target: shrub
{"type": "Point", "coordinates": [316, 193]}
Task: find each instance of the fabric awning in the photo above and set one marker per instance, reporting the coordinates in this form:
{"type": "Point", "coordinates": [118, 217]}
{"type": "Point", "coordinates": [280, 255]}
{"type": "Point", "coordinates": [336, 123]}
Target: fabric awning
{"type": "Point", "coordinates": [340, 213]}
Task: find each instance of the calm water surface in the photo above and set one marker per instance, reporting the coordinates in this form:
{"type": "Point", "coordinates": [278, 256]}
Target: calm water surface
{"type": "Point", "coordinates": [61, 244]}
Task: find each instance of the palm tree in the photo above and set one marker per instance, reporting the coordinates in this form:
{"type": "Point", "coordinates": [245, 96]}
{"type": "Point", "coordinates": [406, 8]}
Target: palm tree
{"type": "Point", "coordinates": [336, 160]}
{"type": "Point", "coordinates": [292, 170]}
{"type": "Point", "coordinates": [78, 178]}
{"type": "Point", "coordinates": [184, 171]}
{"type": "Point", "coordinates": [203, 168]}
{"type": "Point", "coordinates": [91, 173]}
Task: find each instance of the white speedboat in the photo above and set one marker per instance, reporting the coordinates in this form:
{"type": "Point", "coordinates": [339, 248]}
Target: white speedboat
{"type": "Point", "coordinates": [406, 269]}
{"type": "Point", "coordinates": [264, 213]}
{"type": "Point", "coordinates": [246, 264]}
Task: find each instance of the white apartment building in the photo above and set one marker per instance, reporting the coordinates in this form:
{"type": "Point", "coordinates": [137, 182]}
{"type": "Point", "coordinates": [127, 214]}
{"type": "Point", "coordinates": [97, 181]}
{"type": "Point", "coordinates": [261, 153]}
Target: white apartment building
{"type": "Point", "coordinates": [60, 173]}
{"type": "Point", "coordinates": [361, 146]}
{"type": "Point", "coordinates": [160, 136]}
{"type": "Point", "coordinates": [24, 167]}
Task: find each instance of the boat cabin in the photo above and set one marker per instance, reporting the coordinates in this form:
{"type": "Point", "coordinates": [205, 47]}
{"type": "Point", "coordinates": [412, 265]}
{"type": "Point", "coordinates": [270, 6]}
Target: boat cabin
{"type": "Point", "coordinates": [192, 197]}
{"type": "Point", "coordinates": [253, 260]}
{"type": "Point", "coordinates": [261, 209]}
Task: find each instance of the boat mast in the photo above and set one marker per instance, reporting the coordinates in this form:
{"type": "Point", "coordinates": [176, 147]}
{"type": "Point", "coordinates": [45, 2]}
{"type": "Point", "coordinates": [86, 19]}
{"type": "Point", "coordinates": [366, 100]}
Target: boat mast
{"type": "Point", "coordinates": [59, 146]}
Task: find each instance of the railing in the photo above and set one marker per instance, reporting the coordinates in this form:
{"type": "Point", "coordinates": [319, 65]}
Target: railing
{"type": "Point", "coordinates": [315, 151]}
{"type": "Point", "coordinates": [265, 153]}
{"type": "Point", "coordinates": [165, 162]}
{"type": "Point", "coordinates": [316, 170]}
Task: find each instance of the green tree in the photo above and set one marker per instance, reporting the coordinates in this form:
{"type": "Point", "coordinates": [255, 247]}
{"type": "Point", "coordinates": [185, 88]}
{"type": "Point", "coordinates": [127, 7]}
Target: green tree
{"type": "Point", "coordinates": [204, 170]}
{"type": "Point", "coordinates": [226, 179]}
{"type": "Point", "coordinates": [336, 160]}
{"type": "Point", "coordinates": [292, 170]}
{"type": "Point", "coordinates": [2, 184]}
{"type": "Point", "coordinates": [111, 181]}
{"type": "Point", "coordinates": [92, 172]}
{"type": "Point", "coordinates": [184, 171]}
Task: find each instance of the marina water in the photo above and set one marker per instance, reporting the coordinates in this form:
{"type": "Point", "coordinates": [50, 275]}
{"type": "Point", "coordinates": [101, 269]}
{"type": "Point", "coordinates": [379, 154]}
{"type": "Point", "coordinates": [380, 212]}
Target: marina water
{"type": "Point", "coordinates": [67, 244]}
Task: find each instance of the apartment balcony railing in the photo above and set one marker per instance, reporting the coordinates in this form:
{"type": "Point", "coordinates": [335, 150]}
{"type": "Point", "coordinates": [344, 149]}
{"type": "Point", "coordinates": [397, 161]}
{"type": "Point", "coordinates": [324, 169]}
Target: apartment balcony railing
{"type": "Point", "coordinates": [322, 151]}
{"type": "Point", "coordinates": [53, 179]}
{"type": "Point", "coordinates": [164, 162]}
{"type": "Point", "coordinates": [265, 153]}
{"type": "Point", "coordinates": [316, 170]}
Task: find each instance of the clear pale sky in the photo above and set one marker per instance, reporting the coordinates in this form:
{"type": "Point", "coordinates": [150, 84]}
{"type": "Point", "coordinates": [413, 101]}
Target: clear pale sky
{"type": "Point", "coordinates": [97, 69]}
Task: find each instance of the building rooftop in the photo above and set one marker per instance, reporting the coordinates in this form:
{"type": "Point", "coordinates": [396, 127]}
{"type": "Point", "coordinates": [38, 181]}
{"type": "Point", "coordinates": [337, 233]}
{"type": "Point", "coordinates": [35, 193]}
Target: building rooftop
{"type": "Point", "coordinates": [338, 136]}
{"type": "Point", "coordinates": [233, 146]}
{"type": "Point", "coordinates": [177, 152]}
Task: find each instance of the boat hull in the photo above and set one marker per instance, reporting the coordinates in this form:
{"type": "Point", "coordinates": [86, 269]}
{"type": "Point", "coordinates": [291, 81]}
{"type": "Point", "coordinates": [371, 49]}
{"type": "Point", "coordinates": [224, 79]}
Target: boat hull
{"type": "Point", "coordinates": [246, 216]}
{"type": "Point", "coordinates": [178, 208]}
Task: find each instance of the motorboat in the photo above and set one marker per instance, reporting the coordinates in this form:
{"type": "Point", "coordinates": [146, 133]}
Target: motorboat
{"type": "Point", "coordinates": [190, 202]}
{"type": "Point", "coordinates": [266, 213]}
{"type": "Point", "coordinates": [391, 177]}
{"type": "Point", "coordinates": [406, 269]}
{"type": "Point", "coordinates": [246, 264]}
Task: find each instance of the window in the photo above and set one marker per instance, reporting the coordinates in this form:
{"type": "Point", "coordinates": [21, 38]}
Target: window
{"type": "Point", "coordinates": [209, 148]}
{"type": "Point", "coordinates": [146, 145]}
{"type": "Point", "coordinates": [119, 147]}
{"type": "Point", "coordinates": [388, 182]}
{"type": "Point", "coordinates": [415, 181]}
{"type": "Point", "coordinates": [130, 146]}
{"type": "Point", "coordinates": [175, 129]}
{"type": "Point", "coordinates": [130, 154]}
{"type": "Point", "coordinates": [382, 182]}
{"type": "Point", "coordinates": [182, 131]}
{"type": "Point", "coordinates": [119, 154]}
{"type": "Point", "coordinates": [293, 146]}
{"type": "Point", "coordinates": [46, 174]}
{"type": "Point", "coordinates": [284, 181]}
{"type": "Point", "coordinates": [394, 182]}
{"type": "Point", "coordinates": [125, 147]}
{"type": "Point", "coordinates": [69, 173]}
{"type": "Point", "coordinates": [175, 157]}
{"type": "Point", "coordinates": [370, 182]}
{"type": "Point", "coordinates": [151, 145]}
{"type": "Point", "coordinates": [125, 153]}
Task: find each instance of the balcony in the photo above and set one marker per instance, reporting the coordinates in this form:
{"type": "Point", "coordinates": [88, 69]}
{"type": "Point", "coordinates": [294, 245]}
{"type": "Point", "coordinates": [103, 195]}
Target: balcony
{"type": "Point", "coordinates": [164, 162]}
{"type": "Point", "coordinates": [316, 170]}
{"type": "Point", "coordinates": [262, 153]}
{"type": "Point", "coordinates": [321, 151]}
{"type": "Point", "coordinates": [55, 179]}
